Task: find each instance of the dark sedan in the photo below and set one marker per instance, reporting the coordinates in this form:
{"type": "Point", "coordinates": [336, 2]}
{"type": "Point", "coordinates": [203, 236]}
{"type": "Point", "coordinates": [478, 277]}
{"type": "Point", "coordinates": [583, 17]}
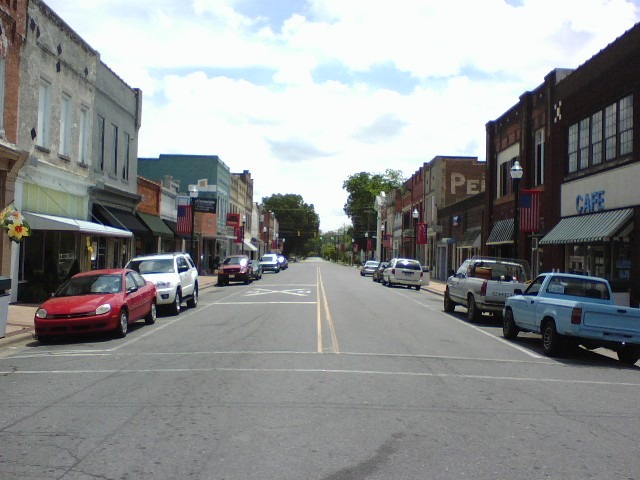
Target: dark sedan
{"type": "Point", "coordinates": [377, 273]}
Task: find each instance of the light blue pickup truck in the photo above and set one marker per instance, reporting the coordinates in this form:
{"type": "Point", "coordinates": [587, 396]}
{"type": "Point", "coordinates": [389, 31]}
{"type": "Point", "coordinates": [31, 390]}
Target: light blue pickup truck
{"type": "Point", "coordinates": [573, 309]}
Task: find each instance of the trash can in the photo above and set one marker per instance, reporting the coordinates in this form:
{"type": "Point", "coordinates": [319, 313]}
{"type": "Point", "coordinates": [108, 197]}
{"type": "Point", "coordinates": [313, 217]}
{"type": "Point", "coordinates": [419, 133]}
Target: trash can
{"type": "Point", "coordinates": [5, 284]}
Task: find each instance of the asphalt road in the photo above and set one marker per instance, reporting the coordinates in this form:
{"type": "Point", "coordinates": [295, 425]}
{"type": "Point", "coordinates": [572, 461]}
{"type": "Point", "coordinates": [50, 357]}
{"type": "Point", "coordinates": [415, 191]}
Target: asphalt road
{"type": "Point", "coordinates": [315, 373]}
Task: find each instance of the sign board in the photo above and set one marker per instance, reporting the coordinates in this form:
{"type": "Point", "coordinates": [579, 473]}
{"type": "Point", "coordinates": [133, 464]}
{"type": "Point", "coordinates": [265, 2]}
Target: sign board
{"type": "Point", "coordinates": [204, 205]}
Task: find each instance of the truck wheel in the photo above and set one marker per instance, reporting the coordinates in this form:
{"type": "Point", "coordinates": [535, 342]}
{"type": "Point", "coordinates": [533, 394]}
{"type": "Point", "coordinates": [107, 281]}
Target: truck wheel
{"type": "Point", "coordinates": [551, 339]}
{"type": "Point", "coordinates": [629, 354]}
{"type": "Point", "coordinates": [449, 306]}
{"type": "Point", "coordinates": [473, 314]}
{"type": "Point", "coordinates": [509, 328]}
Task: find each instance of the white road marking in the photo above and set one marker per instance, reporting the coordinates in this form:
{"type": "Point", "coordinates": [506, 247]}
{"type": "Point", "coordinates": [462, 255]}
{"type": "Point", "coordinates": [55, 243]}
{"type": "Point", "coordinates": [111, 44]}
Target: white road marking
{"type": "Point", "coordinates": [322, 371]}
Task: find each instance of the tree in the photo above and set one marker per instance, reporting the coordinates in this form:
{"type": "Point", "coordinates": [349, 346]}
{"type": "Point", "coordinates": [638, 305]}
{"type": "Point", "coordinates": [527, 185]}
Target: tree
{"type": "Point", "coordinates": [363, 188]}
{"type": "Point", "coordinates": [298, 221]}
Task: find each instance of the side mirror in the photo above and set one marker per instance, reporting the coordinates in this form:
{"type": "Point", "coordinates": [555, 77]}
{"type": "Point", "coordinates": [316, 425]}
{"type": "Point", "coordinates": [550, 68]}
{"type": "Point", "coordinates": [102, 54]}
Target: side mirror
{"type": "Point", "coordinates": [517, 291]}
{"type": "Point", "coordinates": [452, 273]}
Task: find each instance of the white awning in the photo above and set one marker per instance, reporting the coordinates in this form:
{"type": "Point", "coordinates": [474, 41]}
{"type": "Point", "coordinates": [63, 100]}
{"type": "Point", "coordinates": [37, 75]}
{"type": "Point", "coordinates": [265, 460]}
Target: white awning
{"type": "Point", "coordinates": [40, 221]}
{"type": "Point", "coordinates": [250, 246]}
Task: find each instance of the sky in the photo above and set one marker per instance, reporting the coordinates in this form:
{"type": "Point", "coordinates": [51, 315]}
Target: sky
{"type": "Point", "coordinates": [305, 93]}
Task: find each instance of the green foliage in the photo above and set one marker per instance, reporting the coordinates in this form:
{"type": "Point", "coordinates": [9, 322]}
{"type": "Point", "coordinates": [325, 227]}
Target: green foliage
{"type": "Point", "coordinates": [298, 221]}
{"type": "Point", "coordinates": [363, 188]}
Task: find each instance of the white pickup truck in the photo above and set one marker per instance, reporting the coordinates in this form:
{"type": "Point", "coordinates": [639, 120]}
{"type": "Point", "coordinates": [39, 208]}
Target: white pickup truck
{"type": "Point", "coordinates": [574, 309]}
{"type": "Point", "coordinates": [482, 284]}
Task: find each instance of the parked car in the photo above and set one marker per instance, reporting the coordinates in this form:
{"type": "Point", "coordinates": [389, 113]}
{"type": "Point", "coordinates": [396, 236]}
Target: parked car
{"type": "Point", "coordinates": [377, 273]}
{"type": "Point", "coordinates": [269, 262]}
{"type": "Point", "coordinates": [284, 263]}
{"type": "Point", "coordinates": [368, 268]}
{"type": "Point", "coordinates": [97, 301]}
{"type": "Point", "coordinates": [235, 268]}
{"type": "Point", "coordinates": [257, 269]}
{"type": "Point", "coordinates": [403, 271]}
{"type": "Point", "coordinates": [578, 309]}
{"type": "Point", "coordinates": [175, 276]}
{"type": "Point", "coordinates": [482, 284]}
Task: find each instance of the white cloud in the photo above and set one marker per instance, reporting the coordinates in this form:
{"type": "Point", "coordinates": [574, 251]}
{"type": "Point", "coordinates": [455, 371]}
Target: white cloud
{"type": "Point", "coordinates": [216, 81]}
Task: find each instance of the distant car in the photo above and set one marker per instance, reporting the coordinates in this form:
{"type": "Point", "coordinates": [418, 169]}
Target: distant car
{"type": "Point", "coordinates": [368, 268]}
{"type": "Point", "coordinates": [257, 269]}
{"type": "Point", "coordinates": [235, 268]}
{"type": "Point", "coordinates": [269, 262]}
{"type": "Point", "coordinates": [97, 301]}
{"type": "Point", "coordinates": [403, 271]}
{"type": "Point", "coordinates": [284, 263]}
{"type": "Point", "coordinates": [377, 273]}
{"type": "Point", "coordinates": [175, 276]}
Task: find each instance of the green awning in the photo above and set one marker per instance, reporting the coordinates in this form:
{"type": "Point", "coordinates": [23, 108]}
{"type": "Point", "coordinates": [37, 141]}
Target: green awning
{"type": "Point", "coordinates": [155, 224]}
{"type": "Point", "coordinates": [501, 233]}
{"type": "Point", "coordinates": [593, 227]}
{"type": "Point", "coordinates": [470, 239]}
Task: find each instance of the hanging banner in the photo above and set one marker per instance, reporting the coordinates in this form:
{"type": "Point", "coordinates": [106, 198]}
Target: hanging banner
{"type": "Point", "coordinates": [233, 219]}
{"type": "Point", "coordinates": [422, 233]}
{"type": "Point", "coordinates": [238, 231]}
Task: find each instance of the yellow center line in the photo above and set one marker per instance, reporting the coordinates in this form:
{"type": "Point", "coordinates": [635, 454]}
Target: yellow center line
{"type": "Point", "coordinates": [319, 311]}
{"type": "Point", "coordinates": [332, 329]}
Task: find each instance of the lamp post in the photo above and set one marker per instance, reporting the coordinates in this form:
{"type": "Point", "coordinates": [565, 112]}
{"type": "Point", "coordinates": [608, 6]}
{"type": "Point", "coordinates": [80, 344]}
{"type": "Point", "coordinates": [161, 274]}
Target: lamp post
{"type": "Point", "coordinates": [244, 220]}
{"type": "Point", "coordinates": [193, 194]}
{"type": "Point", "coordinates": [415, 215]}
{"type": "Point", "coordinates": [516, 175]}
{"type": "Point", "coordinates": [366, 246]}
{"type": "Point", "coordinates": [265, 235]}
{"type": "Point", "coordinates": [382, 242]}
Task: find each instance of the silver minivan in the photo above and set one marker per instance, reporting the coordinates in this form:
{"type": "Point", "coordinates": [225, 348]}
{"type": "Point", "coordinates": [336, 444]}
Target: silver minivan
{"type": "Point", "coordinates": [403, 271]}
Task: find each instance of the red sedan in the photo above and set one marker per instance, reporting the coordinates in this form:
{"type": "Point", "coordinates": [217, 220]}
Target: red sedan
{"type": "Point", "coordinates": [97, 301]}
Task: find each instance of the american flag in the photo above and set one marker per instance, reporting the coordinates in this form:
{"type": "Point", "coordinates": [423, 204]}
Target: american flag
{"type": "Point", "coordinates": [184, 219]}
{"type": "Point", "coordinates": [530, 211]}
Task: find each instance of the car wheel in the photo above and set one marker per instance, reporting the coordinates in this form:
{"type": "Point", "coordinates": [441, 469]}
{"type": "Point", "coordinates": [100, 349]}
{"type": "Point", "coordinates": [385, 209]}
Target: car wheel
{"type": "Point", "coordinates": [418, 287]}
{"type": "Point", "coordinates": [123, 324]}
{"type": "Point", "coordinates": [473, 314]}
{"type": "Point", "coordinates": [176, 306]}
{"type": "Point", "coordinates": [150, 319]}
{"type": "Point", "coordinates": [449, 306]}
{"type": "Point", "coordinates": [551, 340]}
{"type": "Point", "coordinates": [509, 328]}
{"type": "Point", "coordinates": [629, 354]}
{"type": "Point", "coordinates": [193, 301]}
{"type": "Point", "coordinates": [389, 284]}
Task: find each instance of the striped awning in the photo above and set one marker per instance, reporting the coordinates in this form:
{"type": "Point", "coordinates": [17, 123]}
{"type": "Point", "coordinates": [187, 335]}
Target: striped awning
{"type": "Point", "coordinates": [501, 233]}
{"type": "Point", "coordinates": [593, 227]}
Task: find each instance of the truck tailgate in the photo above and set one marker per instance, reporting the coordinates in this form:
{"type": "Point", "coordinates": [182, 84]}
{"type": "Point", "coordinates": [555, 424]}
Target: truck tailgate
{"type": "Point", "coordinates": [611, 318]}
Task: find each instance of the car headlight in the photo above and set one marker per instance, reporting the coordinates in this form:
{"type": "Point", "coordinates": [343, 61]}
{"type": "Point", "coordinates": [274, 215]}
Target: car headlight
{"type": "Point", "coordinates": [162, 284]}
{"type": "Point", "coordinates": [41, 313]}
{"type": "Point", "coordinates": [102, 309]}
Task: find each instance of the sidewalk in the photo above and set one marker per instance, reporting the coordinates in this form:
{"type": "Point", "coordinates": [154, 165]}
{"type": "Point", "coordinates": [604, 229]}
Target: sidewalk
{"type": "Point", "coordinates": [20, 318]}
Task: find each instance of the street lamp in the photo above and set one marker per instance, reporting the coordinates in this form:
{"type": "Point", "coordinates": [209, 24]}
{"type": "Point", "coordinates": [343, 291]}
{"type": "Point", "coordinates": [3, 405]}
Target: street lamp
{"type": "Point", "coordinates": [244, 220]}
{"type": "Point", "coordinates": [366, 246]}
{"type": "Point", "coordinates": [516, 175]}
{"type": "Point", "coordinates": [265, 235]}
{"type": "Point", "coordinates": [193, 194]}
{"type": "Point", "coordinates": [415, 214]}
{"type": "Point", "coordinates": [382, 242]}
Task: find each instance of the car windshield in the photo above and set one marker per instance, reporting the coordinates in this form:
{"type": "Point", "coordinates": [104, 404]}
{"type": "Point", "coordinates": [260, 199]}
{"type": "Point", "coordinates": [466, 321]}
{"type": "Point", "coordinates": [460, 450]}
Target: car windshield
{"type": "Point", "coordinates": [159, 265]}
{"type": "Point", "coordinates": [90, 284]}
{"type": "Point", "coordinates": [235, 261]}
{"type": "Point", "coordinates": [371, 263]}
{"type": "Point", "coordinates": [268, 258]}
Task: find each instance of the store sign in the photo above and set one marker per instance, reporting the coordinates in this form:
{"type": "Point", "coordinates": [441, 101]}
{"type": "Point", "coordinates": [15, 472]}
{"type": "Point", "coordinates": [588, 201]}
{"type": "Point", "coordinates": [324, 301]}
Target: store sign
{"type": "Point", "coordinates": [590, 202]}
